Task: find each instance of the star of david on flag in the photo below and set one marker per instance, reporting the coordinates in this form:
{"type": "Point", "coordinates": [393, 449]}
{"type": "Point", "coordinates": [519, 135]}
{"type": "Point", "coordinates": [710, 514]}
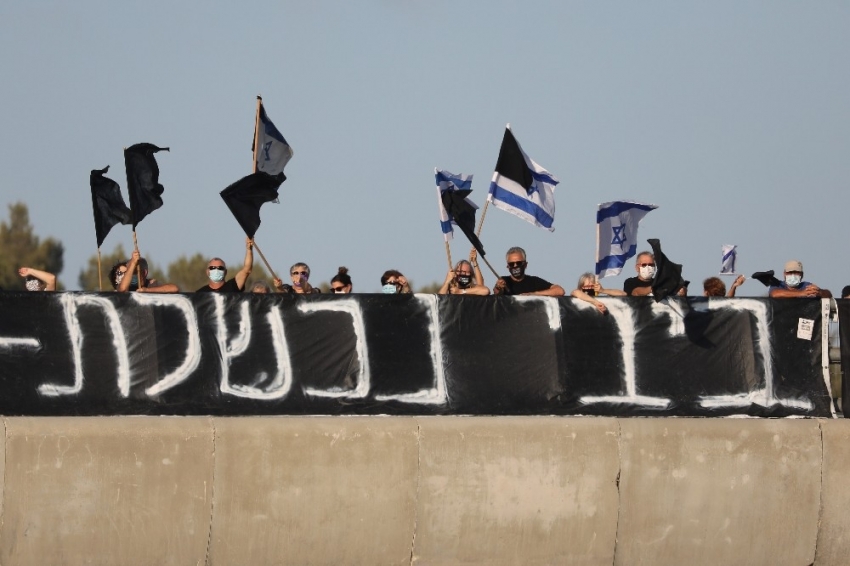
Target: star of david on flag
{"type": "Point", "coordinates": [616, 234]}
{"type": "Point", "coordinates": [273, 151]}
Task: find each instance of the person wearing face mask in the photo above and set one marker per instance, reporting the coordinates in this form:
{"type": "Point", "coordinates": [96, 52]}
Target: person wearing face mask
{"type": "Point", "coordinates": [217, 273]}
{"type": "Point", "coordinates": [518, 283]}
{"type": "Point", "coordinates": [37, 280]}
{"type": "Point", "coordinates": [589, 288]}
{"type": "Point", "coordinates": [130, 281]}
{"type": "Point", "coordinates": [393, 282]}
{"type": "Point", "coordinates": [116, 274]}
{"type": "Point", "coordinates": [300, 275]}
{"type": "Point", "coordinates": [462, 281]}
{"type": "Point", "coordinates": [794, 286]}
{"type": "Point", "coordinates": [641, 285]}
{"type": "Point", "coordinates": [341, 282]}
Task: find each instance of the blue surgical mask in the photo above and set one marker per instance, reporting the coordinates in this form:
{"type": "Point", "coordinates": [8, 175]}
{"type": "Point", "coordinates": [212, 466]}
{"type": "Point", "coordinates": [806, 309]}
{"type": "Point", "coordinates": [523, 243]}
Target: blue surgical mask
{"type": "Point", "coordinates": [389, 289]}
{"type": "Point", "coordinates": [216, 275]}
{"type": "Point", "coordinates": [134, 281]}
{"type": "Point", "coordinates": [793, 280]}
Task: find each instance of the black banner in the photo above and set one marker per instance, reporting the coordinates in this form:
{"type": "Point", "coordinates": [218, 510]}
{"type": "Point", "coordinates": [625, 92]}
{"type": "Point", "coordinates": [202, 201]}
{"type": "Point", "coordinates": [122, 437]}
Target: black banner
{"type": "Point", "coordinates": [844, 335]}
{"type": "Point", "coordinates": [244, 354]}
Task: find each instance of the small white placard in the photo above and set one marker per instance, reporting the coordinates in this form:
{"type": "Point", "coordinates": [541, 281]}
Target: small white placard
{"type": "Point", "coordinates": [805, 327]}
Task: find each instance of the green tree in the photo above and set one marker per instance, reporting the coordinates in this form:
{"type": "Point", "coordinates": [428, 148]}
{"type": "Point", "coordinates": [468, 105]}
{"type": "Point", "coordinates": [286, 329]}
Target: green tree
{"type": "Point", "coordinates": [430, 289]}
{"type": "Point", "coordinates": [19, 247]}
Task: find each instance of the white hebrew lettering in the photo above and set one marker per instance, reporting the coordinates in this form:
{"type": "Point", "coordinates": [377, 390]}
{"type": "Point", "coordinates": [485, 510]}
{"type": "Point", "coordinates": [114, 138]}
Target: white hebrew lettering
{"type": "Point", "coordinates": [193, 349]}
{"type": "Point", "coordinates": [282, 382]}
{"type": "Point", "coordinates": [70, 304]}
{"type": "Point", "coordinates": [623, 316]}
{"type": "Point", "coordinates": [352, 308]}
{"type": "Point", "coordinates": [766, 396]}
{"type": "Point", "coordinates": [438, 394]}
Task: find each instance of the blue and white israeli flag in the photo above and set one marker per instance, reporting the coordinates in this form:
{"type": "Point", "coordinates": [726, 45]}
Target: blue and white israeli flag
{"type": "Point", "coordinates": [447, 181]}
{"type": "Point", "coordinates": [521, 186]}
{"type": "Point", "coordinates": [616, 232]}
{"type": "Point", "coordinates": [727, 263]}
{"type": "Point", "coordinates": [273, 152]}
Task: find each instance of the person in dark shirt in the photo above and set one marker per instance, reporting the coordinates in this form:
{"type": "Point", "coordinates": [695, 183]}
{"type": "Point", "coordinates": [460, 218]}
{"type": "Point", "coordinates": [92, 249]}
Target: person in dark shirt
{"type": "Point", "coordinates": [641, 285]}
{"type": "Point", "coordinates": [130, 281]}
{"type": "Point", "coordinates": [299, 273]}
{"type": "Point", "coordinates": [518, 283]}
{"type": "Point", "coordinates": [217, 273]}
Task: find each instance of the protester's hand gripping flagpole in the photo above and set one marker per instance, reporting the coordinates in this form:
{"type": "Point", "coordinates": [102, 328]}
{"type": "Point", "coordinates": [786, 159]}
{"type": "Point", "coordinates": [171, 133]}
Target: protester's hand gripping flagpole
{"type": "Point", "coordinates": [254, 170]}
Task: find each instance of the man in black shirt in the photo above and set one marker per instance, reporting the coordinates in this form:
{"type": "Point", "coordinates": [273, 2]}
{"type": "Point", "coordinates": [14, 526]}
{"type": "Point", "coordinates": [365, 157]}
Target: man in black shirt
{"type": "Point", "coordinates": [518, 283]}
{"type": "Point", "coordinates": [217, 272]}
{"type": "Point", "coordinates": [641, 285]}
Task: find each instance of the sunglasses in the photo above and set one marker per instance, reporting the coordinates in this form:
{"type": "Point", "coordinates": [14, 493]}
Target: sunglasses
{"type": "Point", "coordinates": [516, 263]}
{"type": "Point", "coordinates": [299, 273]}
{"type": "Point", "coordinates": [646, 264]}
{"type": "Point", "coordinates": [337, 289]}
{"type": "Point", "coordinates": [216, 268]}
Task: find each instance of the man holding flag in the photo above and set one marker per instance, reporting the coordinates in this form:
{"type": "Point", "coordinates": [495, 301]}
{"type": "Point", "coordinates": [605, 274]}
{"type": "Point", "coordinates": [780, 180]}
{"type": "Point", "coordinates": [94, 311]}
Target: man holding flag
{"type": "Point", "coordinates": [217, 273]}
{"type": "Point", "coordinates": [518, 283]}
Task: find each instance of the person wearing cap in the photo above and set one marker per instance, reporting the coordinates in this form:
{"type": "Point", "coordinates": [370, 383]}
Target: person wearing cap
{"type": "Point", "coordinates": [793, 286]}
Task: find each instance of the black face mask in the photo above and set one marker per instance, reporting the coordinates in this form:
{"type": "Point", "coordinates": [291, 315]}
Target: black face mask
{"type": "Point", "coordinates": [591, 292]}
{"type": "Point", "coordinates": [518, 272]}
{"type": "Point", "coordinates": [463, 281]}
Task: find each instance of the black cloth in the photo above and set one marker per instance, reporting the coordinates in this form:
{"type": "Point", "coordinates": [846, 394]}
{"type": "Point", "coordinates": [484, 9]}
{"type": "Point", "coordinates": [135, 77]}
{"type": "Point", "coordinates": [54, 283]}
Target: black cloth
{"type": "Point", "coordinates": [229, 286]}
{"type": "Point", "coordinates": [528, 284]}
{"type": "Point", "coordinates": [632, 283]}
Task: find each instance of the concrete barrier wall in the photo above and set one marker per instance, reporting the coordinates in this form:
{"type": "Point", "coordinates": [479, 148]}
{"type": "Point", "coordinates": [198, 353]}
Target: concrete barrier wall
{"type": "Point", "coordinates": [433, 490]}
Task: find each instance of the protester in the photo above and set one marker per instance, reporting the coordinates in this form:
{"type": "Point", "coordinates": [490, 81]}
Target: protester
{"type": "Point", "coordinates": [392, 282]}
{"type": "Point", "coordinates": [300, 275]}
{"type": "Point", "coordinates": [116, 274]}
{"type": "Point", "coordinates": [341, 282]}
{"type": "Point", "coordinates": [641, 285]}
{"type": "Point", "coordinates": [217, 273]}
{"type": "Point", "coordinates": [459, 281]}
{"type": "Point", "coordinates": [518, 283]}
{"type": "Point", "coordinates": [148, 285]}
{"type": "Point", "coordinates": [715, 287]}
{"type": "Point", "coordinates": [261, 287]}
{"type": "Point", "coordinates": [37, 280]}
{"type": "Point", "coordinates": [794, 287]}
{"type": "Point", "coordinates": [589, 288]}
{"type": "Point", "coordinates": [845, 292]}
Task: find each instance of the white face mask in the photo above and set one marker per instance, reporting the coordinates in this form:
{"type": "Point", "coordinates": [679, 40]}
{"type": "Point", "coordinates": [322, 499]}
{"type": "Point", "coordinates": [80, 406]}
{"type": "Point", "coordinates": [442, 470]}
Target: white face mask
{"type": "Point", "coordinates": [647, 272]}
{"type": "Point", "coordinates": [793, 280]}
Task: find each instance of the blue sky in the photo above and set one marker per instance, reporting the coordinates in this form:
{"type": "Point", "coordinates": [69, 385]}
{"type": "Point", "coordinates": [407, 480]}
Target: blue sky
{"type": "Point", "coordinates": [732, 117]}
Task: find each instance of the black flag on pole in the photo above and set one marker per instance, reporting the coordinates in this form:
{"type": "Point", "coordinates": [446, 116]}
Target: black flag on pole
{"type": "Point", "coordinates": [766, 278]}
{"type": "Point", "coordinates": [668, 275]}
{"type": "Point", "coordinates": [245, 197]}
{"type": "Point", "coordinates": [143, 180]}
{"type": "Point", "coordinates": [107, 204]}
{"type": "Point", "coordinates": [463, 214]}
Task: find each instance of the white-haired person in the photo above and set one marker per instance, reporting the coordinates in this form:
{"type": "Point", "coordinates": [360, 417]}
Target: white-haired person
{"type": "Point", "coordinates": [589, 288]}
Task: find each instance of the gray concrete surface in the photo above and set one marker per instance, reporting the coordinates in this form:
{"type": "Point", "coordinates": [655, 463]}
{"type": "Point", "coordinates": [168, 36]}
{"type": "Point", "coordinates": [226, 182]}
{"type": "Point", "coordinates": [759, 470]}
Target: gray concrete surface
{"type": "Point", "coordinates": [434, 490]}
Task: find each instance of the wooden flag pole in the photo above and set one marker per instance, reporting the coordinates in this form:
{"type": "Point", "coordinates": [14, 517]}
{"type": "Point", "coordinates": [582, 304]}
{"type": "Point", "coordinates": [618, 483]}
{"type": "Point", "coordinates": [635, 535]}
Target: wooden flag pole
{"type": "Point", "coordinates": [256, 133]}
{"type": "Point", "coordinates": [259, 251]}
{"type": "Point", "coordinates": [449, 256]}
{"type": "Point", "coordinates": [481, 222]}
{"type": "Point", "coordinates": [99, 274]}
{"type": "Point", "coordinates": [138, 267]}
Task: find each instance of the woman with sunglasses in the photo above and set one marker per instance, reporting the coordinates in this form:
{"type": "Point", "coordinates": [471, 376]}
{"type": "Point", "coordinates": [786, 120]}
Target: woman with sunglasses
{"type": "Point", "coordinates": [300, 275]}
{"type": "Point", "coordinates": [116, 274]}
{"type": "Point", "coordinates": [341, 282]}
{"type": "Point", "coordinates": [393, 282]}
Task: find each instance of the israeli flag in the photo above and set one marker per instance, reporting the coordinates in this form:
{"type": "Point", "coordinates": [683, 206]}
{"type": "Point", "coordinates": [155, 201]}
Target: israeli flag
{"type": "Point", "coordinates": [447, 181]}
{"type": "Point", "coordinates": [521, 186]}
{"type": "Point", "coordinates": [727, 263]}
{"type": "Point", "coordinates": [273, 152]}
{"type": "Point", "coordinates": [616, 232]}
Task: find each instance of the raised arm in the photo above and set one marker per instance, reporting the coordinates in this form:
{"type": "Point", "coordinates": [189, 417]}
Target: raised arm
{"type": "Point", "coordinates": [124, 286]}
{"type": "Point", "coordinates": [247, 265]}
{"type": "Point", "coordinates": [473, 259]}
{"type": "Point", "coordinates": [48, 279]}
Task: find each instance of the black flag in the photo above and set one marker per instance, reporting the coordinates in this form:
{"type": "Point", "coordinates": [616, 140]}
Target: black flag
{"type": "Point", "coordinates": [245, 197]}
{"type": "Point", "coordinates": [668, 275]}
{"type": "Point", "coordinates": [143, 180]}
{"type": "Point", "coordinates": [463, 214]}
{"type": "Point", "coordinates": [766, 278]}
{"type": "Point", "coordinates": [107, 204]}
